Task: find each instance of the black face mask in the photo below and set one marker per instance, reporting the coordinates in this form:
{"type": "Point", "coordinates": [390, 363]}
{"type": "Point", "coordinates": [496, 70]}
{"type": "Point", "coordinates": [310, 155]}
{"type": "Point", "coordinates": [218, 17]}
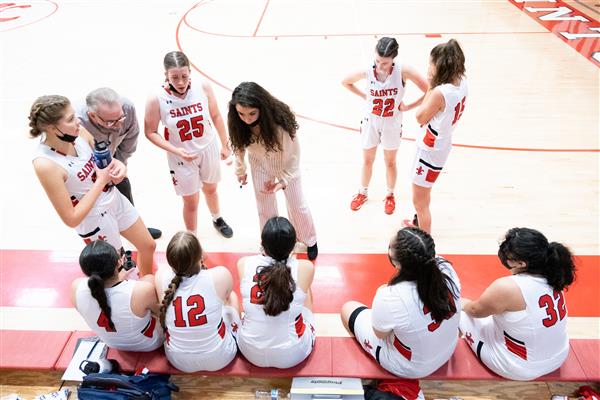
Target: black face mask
{"type": "Point", "coordinates": [65, 137]}
{"type": "Point", "coordinates": [171, 87]}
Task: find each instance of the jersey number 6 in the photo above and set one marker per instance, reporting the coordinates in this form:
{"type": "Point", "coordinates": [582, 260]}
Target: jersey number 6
{"type": "Point", "coordinates": [194, 315]}
{"type": "Point", "coordinates": [192, 127]}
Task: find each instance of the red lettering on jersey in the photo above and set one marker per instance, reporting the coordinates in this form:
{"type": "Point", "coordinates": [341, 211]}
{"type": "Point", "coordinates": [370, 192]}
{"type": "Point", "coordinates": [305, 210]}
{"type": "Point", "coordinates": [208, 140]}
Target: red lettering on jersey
{"type": "Point", "coordinates": [86, 170]}
{"type": "Point", "coordinates": [172, 113]}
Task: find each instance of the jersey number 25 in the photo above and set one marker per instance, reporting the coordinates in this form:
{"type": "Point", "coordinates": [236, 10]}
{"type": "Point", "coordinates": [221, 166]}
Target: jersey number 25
{"type": "Point", "coordinates": [192, 127]}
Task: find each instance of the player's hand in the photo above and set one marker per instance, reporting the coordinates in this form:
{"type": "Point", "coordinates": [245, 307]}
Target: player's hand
{"type": "Point", "coordinates": [103, 174]}
{"type": "Point", "coordinates": [226, 154]}
{"type": "Point", "coordinates": [243, 179]}
{"type": "Point", "coordinates": [118, 172]}
{"type": "Point", "coordinates": [272, 186]}
{"type": "Point", "coordinates": [186, 156]}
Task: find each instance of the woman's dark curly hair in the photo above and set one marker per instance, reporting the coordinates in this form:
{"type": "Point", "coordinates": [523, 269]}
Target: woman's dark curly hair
{"type": "Point", "coordinates": [272, 113]}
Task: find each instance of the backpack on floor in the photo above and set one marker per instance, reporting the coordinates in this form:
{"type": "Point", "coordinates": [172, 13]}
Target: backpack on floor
{"type": "Point", "coordinates": [109, 386]}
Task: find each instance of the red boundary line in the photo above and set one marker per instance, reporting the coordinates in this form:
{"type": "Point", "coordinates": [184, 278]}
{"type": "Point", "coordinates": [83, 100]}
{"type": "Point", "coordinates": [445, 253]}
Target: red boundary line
{"type": "Point", "coordinates": [183, 19]}
{"type": "Point", "coordinates": [261, 18]}
{"type": "Point", "coordinates": [37, 20]}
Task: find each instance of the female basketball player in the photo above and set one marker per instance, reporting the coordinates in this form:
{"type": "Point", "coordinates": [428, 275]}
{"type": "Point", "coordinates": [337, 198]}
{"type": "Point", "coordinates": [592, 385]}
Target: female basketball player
{"type": "Point", "coordinates": [199, 312]}
{"type": "Point", "coordinates": [413, 327]}
{"type": "Point", "coordinates": [442, 107]}
{"type": "Point", "coordinates": [278, 327]}
{"type": "Point", "coordinates": [386, 82]}
{"type": "Point", "coordinates": [518, 327]}
{"type": "Point", "coordinates": [186, 108]}
{"type": "Point", "coordinates": [119, 311]}
{"type": "Point", "coordinates": [266, 128]}
{"type": "Point", "coordinates": [80, 192]}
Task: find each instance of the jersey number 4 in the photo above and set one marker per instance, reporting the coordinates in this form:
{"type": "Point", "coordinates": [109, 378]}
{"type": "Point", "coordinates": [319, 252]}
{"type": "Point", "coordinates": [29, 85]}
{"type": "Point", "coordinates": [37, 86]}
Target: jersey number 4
{"type": "Point", "coordinates": [458, 110]}
{"type": "Point", "coordinates": [378, 109]}
{"type": "Point", "coordinates": [194, 314]}
{"type": "Point", "coordinates": [189, 128]}
{"type": "Point", "coordinates": [547, 302]}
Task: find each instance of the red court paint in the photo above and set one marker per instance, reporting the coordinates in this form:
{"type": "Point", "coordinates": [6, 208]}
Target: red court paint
{"type": "Point", "coordinates": [261, 17]}
{"type": "Point", "coordinates": [17, 15]}
{"type": "Point", "coordinates": [572, 26]}
{"type": "Point", "coordinates": [339, 278]}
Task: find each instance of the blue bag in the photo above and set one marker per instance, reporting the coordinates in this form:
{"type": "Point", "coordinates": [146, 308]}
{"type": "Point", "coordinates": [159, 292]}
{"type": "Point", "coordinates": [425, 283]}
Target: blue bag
{"type": "Point", "coordinates": [109, 386]}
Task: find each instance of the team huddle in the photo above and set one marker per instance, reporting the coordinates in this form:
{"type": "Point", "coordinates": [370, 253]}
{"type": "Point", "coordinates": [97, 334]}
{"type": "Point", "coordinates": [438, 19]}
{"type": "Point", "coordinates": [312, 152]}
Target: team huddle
{"type": "Point", "coordinates": [517, 327]}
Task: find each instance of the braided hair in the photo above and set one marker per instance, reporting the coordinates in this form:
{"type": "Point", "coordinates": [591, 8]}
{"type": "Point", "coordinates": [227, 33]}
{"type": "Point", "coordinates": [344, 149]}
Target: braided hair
{"type": "Point", "coordinates": [552, 260]}
{"type": "Point", "coordinates": [413, 251]}
{"type": "Point", "coordinates": [45, 111]}
{"type": "Point", "coordinates": [275, 281]}
{"type": "Point", "coordinates": [99, 261]}
{"type": "Point", "coordinates": [184, 255]}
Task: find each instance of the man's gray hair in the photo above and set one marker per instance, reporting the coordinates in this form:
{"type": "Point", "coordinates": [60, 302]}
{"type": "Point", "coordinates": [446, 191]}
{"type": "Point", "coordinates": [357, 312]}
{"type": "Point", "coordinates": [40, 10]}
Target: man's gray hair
{"type": "Point", "coordinates": [101, 95]}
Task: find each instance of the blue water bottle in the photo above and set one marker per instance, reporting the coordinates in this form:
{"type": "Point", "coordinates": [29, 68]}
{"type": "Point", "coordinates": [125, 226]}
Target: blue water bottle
{"type": "Point", "coordinates": [102, 155]}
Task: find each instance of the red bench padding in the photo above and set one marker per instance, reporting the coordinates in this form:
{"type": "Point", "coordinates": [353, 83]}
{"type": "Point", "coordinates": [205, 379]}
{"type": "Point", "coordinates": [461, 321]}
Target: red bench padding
{"type": "Point", "coordinates": [587, 352]}
{"type": "Point", "coordinates": [332, 356]}
{"type": "Point", "coordinates": [31, 350]}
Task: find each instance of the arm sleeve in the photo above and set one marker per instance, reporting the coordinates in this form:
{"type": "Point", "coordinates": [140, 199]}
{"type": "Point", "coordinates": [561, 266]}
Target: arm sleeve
{"type": "Point", "coordinates": [388, 311]}
{"type": "Point", "coordinates": [291, 157]}
{"type": "Point", "coordinates": [127, 147]}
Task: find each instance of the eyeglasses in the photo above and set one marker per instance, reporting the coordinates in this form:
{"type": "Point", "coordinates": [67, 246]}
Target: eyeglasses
{"type": "Point", "coordinates": [113, 122]}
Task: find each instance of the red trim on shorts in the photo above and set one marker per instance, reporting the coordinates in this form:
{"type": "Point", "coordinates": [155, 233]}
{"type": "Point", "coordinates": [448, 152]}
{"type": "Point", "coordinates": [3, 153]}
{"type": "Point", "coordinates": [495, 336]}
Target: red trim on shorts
{"type": "Point", "coordinates": [515, 346]}
{"type": "Point", "coordinates": [300, 326]}
{"type": "Point", "coordinates": [148, 331]}
{"type": "Point", "coordinates": [402, 348]}
{"type": "Point", "coordinates": [221, 329]}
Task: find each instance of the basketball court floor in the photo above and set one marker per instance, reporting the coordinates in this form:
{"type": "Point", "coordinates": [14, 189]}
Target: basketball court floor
{"type": "Point", "coordinates": [525, 151]}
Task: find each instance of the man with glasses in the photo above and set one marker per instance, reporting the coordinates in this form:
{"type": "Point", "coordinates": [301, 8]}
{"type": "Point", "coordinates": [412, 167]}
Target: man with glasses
{"type": "Point", "coordinates": [112, 119]}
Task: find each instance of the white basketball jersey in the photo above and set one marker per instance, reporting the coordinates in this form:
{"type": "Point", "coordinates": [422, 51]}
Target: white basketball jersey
{"type": "Point", "coordinates": [437, 133]}
{"type": "Point", "coordinates": [260, 330]}
{"type": "Point", "coordinates": [187, 121]}
{"type": "Point", "coordinates": [384, 98]}
{"type": "Point", "coordinates": [194, 318]}
{"type": "Point", "coordinates": [131, 332]}
{"type": "Point", "coordinates": [417, 339]}
{"type": "Point", "coordinates": [81, 174]}
{"type": "Point", "coordinates": [537, 335]}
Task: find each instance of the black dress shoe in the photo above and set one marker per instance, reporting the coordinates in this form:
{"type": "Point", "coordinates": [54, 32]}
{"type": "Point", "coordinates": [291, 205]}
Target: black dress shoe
{"type": "Point", "coordinates": [223, 228]}
{"type": "Point", "coordinates": [155, 233]}
{"type": "Point", "coordinates": [312, 252]}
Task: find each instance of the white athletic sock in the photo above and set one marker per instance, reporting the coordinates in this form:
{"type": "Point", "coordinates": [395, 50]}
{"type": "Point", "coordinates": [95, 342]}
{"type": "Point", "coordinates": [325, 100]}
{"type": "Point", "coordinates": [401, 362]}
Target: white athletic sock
{"type": "Point", "coordinates": [390, 192]}
{"type": "Point", "coordinates": [363, 190]}
{"type": "Point", "coordinates": [215, 217]}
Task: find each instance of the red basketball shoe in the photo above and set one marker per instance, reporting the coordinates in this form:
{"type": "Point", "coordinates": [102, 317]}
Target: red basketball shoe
{"type": "Point", "coordinates": [358, 201]}
{"type": "Point", "coordinates": [390, 204]}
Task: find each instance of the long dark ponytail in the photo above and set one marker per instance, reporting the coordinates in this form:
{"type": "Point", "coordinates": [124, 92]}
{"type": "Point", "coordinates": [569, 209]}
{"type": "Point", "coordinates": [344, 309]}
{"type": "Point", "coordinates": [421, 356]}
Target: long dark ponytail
{"type": "Point", "coordinates": [413, 251]}
{"type": "Point", "coordinates": [184, 255]}
{"type": "Point", "coordinates": [552, 260]}
{"type": "Point", "coordinates": [275, 280]}
{"type": "Point", "coordinates": [99, 260]}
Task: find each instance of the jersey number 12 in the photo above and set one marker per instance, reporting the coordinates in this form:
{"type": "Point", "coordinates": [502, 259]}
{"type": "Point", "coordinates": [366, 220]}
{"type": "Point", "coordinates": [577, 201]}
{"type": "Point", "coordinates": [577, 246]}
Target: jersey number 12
{"type": "Point", "coordinates": [194, 315]}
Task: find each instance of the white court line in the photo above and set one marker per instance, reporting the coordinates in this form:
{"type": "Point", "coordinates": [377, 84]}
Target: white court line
{"type": "Point", "coordinates": [327, 324]}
